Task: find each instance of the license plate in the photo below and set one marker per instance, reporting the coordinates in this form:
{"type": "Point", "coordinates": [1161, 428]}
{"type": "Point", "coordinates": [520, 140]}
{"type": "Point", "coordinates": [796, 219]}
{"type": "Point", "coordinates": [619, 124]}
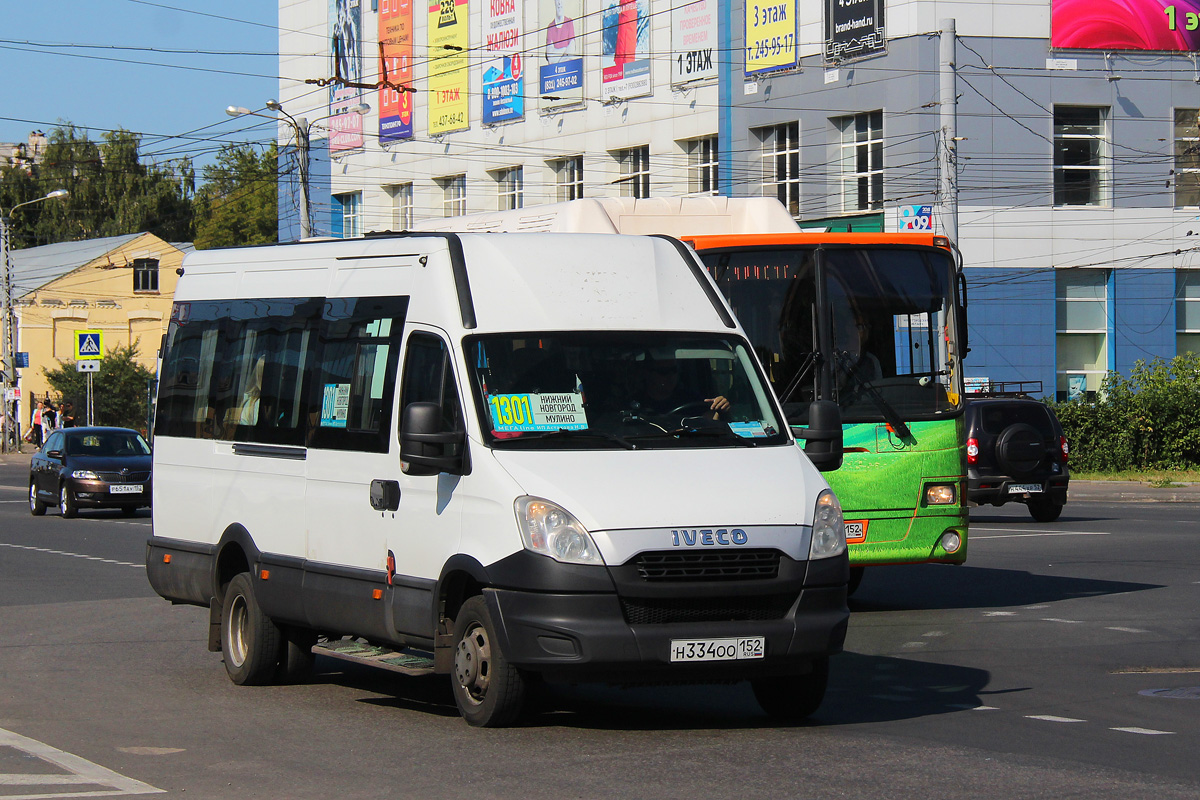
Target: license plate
{"type": "Point", "coordinates": [856, 531]}
{"type": "Point", "coordinates": [1022, 488]}
{"type": "Point", "coordinates": [125, 488]}
{"type": "Point", "coordinates": [735, 649]}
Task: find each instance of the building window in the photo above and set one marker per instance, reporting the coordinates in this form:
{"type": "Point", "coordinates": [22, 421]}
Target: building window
{"type": "Point", "coordinates": [1187, 157]}
{"type": "Point", "coordinates": [509, 188]}
{"type": "Point", "coordinates": [1080, 153]}
{"type": "Point", "coordinates": [1187, 311]}
{"type": "Point", "coordinates": [145, 274]}
{"type": "Point", "coordinates": [1081, 311]}
{"type": "Point", "coordinates": [454, 195]}
{"type": "Point", "coordinates": [779, 149]}
{"type": "Point", "coordinates": [351, 214]}
{"type": "Point", "coordinates": [861, 161]}
{"type": "Point", "coordinates": [702, 165]}
{"type": "Point", "coordinates": [568, 177]}
{"type": "Point", "coordinates": [635, 171]}
{"type": "Point", "coordinates": [402, 205]}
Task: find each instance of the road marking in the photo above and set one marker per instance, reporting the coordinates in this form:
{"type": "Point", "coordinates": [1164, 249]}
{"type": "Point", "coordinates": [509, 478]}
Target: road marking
{"type": "Point", "coordinates": [971, 707]}
{"type": "Point", "coordinates": [72, 555]}
{"type": "Point", "coordinates": [82, 772]}
{"type": "Point", "coordinates": [976, 537]}
{"type": "Point", "coordinates": [1052, 718]}
{"type": "Point", "coordinates": [1126, 630]}
{"type": "Point", "coordinates": [999, 613]}
{"type": "Point", "coordinates": [1056, 619]}
{"type": "Point", "coordinates": [1144, 731]}
{"type": "Point", "coordinates": [914, 645]}
{"type": "Point", "coordinates": [22, 502]}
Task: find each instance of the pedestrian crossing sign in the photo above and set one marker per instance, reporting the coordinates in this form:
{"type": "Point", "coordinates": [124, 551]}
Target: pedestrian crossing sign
{"type": "Point", "coordinates": [89, 345]}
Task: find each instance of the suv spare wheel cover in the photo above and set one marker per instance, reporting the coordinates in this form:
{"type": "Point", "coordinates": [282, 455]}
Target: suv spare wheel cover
{"type": "Point", "coordinates": [1020, 448]}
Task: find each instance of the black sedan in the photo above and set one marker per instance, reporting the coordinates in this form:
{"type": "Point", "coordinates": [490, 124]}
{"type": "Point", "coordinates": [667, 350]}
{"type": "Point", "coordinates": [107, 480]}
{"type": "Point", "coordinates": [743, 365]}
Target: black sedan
{"type": "Point", "coordinates": [90, 468]}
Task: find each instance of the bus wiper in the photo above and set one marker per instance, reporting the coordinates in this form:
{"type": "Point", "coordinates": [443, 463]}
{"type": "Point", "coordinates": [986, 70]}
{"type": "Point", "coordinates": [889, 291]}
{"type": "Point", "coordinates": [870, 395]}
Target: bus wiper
{"type": "Point", "coordinates": [715, 432]}
{"type": "Point", "coordinates": [583, 434]}
{"type": "Point", "coordinates": [801, 371]}
{"type": "Point", "coordinates": [890, 415]}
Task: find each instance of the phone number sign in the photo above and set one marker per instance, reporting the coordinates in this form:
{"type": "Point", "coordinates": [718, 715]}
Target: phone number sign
{"type": "Point", "coordinates": [770, 36]}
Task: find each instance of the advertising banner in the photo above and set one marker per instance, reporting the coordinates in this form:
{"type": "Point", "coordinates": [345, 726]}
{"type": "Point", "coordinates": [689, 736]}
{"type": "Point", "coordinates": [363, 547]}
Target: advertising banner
{"type": "Point", "coordinates": [396, 39]}
{"type": "Point", "coordinates": [853, 29]}
{"type": "Point", "coordinates": [916, 218]}
{"type": "Point", "coordinates": [771, 37]}
{"type": "Point", "coordinates": [449, 40]}
{"type": "Point", "coordinates": [625, 49]}
{"type": "Point", "coordinates": [503, 73]}
{"type": "Point", "coordinates": [694, 42]}
{"type": "Point", "coordinates": [560, 62]}
{"type": "Point", "coordinates": [345, 53]}
{"type": "Point", "coordinates": [1125, 24]}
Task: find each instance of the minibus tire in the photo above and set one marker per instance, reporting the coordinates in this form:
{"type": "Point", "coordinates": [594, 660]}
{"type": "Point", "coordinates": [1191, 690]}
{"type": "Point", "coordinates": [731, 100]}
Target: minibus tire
{"type": "Point", "coordinates": [488, 690]}
{"type": "Point", "coordinates": [793, 697]}
{"type": "Point", "coordinates": [251, 643]}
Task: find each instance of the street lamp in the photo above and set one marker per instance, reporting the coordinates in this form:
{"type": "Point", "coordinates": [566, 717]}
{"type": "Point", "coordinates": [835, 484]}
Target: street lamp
{"type": "Point", "coordinates": [301, 127]}
{"type": "Point", "coordinates": [10, 321]}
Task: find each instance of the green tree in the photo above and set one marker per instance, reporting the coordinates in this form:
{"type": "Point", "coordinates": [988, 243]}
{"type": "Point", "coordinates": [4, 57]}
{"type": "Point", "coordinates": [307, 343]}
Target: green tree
{"type": "Point", "coordinates": [112, 192]}
{"type": "Point", "coordinates": [237, 203]}
{"type": "Point", "coordinates": [119, 389]}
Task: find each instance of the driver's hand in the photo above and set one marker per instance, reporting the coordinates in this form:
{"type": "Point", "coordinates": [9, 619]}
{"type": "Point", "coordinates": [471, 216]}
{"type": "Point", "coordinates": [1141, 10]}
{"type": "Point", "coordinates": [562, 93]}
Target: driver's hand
{"type": "Point", "coordinates": [718, 404]}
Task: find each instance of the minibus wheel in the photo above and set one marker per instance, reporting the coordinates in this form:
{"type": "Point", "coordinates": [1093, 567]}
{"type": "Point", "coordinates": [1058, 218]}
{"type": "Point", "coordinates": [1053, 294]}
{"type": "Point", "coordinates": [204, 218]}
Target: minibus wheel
{"type": "Point", "coordinates": [250, 641]}
{"type": "Point", "coordinates": [793, 697]}
{"type": "Point", "coordinates": [488, 690]}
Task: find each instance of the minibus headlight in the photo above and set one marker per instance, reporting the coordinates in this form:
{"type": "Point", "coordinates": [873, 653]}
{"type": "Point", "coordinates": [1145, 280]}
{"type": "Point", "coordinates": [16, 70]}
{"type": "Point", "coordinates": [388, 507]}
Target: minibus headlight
{"type": "Point", "coordinates": [829, 529]}
{"type": "Point", "coordinates": [940, 494]}
{"type": "Point", "coordinates": [551, 530]}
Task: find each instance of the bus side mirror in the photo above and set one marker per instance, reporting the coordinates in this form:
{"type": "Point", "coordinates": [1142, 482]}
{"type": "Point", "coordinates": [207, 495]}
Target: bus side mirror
{"type": "Point", "coordinates": [423, 443]}
{"type": "Point", "coordinates": [823, 436]}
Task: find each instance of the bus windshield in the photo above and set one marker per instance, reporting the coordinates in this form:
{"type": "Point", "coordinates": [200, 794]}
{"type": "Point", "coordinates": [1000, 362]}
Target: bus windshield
{"type": "Point", "coordinates": [880, 340]}
{"type": "Point", "coordinates": [632, 390]}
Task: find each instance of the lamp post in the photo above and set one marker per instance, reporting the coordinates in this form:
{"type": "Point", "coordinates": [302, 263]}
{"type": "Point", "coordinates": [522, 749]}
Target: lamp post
{"type": "Point", "coordinates": [301, 128]}
{"type": "Point", "coordinates": [8, 416]}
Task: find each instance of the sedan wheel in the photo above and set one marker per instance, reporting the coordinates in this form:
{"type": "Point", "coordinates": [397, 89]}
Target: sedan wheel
{"type": "Point", "coordinates": [36, 506]}
{"type": "Point", "coordinates": [66, 502]}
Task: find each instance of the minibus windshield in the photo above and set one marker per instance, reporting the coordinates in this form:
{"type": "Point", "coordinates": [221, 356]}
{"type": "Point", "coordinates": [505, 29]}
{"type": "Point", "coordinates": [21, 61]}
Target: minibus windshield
{"type": "Point", "coordinates": [631, 390]}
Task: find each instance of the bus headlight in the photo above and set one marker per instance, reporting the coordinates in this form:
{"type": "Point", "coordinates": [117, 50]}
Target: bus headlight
{"type": "Point", "coordinates": [941, 494]}
{"type": "Point", "coordinates": [829, 529]}
{"type": "Point", "coordinates": [553, 531]}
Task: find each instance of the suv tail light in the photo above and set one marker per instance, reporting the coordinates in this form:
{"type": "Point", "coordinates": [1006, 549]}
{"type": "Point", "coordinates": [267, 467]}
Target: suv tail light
{"type": "Point", "coordinates": [973, 449]}
{"type": "Point", "coordinates": [1062, 443]}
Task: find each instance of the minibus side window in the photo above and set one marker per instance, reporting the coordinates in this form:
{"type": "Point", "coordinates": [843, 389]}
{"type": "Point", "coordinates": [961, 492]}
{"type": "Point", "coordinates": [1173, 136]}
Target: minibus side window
{"type": "Point", "coordinates": [429, 377]}
{"type": "Point", "coordinates": [352, 394]}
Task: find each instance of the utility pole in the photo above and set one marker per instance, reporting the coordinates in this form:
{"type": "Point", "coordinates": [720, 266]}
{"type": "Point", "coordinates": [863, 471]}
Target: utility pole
{"type": "Point", "coordinates": [10, 327]}
{"type": "Point", "coordinates": [948, 138]}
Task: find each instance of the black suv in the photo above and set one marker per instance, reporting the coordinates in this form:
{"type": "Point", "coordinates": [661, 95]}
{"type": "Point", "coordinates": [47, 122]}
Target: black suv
{"type": "Point", "coordinates": [1016, 450]}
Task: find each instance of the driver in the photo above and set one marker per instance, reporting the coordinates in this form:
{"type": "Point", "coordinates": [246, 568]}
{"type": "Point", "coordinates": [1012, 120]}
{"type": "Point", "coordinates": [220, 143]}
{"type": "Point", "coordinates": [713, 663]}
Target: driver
{"type": "Point", "coordinates": [663, 393]}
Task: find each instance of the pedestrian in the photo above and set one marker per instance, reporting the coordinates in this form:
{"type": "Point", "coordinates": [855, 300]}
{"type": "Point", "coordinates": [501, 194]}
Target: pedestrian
{"type": "Point", "coordinates": [35, 425]}
{"type": "Point", "coordinates": [49, 420]}
{"type": "Point", "coordinates": [66, 415]}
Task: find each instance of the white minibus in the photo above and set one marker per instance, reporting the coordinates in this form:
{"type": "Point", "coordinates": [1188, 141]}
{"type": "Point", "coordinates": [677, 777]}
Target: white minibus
{"type": "Point", "coordinates": [498, 457]}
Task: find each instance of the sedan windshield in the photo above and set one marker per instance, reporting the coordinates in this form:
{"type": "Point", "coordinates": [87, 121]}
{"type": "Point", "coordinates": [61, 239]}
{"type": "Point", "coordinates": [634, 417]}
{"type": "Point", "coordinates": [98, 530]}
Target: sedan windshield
{"type": "Point", "coordinates": [107, 444]}
{"type": "Point", "coordinates": [631, 390]}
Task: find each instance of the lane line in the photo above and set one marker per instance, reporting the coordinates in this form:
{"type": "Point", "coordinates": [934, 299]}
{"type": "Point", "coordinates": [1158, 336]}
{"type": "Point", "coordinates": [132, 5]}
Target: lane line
{"type": "Point", "coordinates": [1052, 718]}
{"type": "Point", "coordinates": [976, 537]}
{"type": "Point", "coordinates": [1144, 731]}
{"type": "Point", "coordinates": [1125, 630]}
{"type": "Point", "coordinates": [90, 772]}
{"type": "Point", "coordinates": [1056, 619]}
{"type": "Point", "coordinates": [84, 556]}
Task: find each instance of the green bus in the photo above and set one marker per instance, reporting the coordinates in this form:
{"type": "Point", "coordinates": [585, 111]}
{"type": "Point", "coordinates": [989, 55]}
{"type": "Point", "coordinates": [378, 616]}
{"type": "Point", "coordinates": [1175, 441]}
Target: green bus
{"type": "Point", "coordinates": [876, 323]}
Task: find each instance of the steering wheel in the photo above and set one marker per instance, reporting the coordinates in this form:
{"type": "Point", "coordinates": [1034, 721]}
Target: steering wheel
{"type": "Point", "coordinates": [694, 408]}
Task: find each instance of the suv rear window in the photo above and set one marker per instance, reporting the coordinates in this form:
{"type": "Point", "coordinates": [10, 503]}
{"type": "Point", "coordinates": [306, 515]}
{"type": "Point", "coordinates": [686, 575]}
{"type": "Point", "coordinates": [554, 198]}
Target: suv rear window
{"type": "Point", "coordinates": [995, 418]}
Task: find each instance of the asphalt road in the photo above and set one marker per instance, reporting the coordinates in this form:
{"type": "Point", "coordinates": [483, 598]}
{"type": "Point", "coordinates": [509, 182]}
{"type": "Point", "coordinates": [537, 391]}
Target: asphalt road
{"type": "Point", "coordinates": [1062, 661]}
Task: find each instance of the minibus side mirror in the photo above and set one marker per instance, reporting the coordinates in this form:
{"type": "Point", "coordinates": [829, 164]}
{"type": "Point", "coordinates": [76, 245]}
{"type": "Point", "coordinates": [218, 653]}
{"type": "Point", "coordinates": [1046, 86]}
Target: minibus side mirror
{"type": "Point", "coordinates": [823, 436]}
{"type": "Point", "coordinates": [423, 443]}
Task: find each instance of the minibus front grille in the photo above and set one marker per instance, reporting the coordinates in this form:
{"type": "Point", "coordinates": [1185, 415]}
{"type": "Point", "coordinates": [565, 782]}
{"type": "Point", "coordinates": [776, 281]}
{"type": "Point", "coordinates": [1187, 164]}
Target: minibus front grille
{"type": "Point", "coordinates": [654, 611]}
{"type": "Point", "coordinates": [708, 565]}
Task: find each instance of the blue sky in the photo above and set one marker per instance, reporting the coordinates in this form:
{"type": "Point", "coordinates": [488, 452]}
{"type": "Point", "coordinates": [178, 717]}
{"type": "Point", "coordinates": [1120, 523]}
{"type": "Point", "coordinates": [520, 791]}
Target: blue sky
{"type": "Point", "coordinates": [163, 68]}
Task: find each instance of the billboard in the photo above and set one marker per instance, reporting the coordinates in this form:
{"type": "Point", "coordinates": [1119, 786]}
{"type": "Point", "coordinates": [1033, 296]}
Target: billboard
{"type": "Point", "coordinates": [694, 49]}
{"type": "Point", "coordinates": [396, 41]}
{"type": "Point", "coordinates": [345, 53]}
{"type": "Point", "coordinates": [1125, 24]}
{"type": "Point", "coordinates": [503, 72]}
{"type": "Point", "coordinates": [560, 62]}
{"type": "Point", "coordinates": [853, 29]}
{"type": "Point", "coordinates": [449, 41]}
{"type": "Point", "coordinates": [625, 49]}
{"type": "Point", "coordinates": [771, 37]}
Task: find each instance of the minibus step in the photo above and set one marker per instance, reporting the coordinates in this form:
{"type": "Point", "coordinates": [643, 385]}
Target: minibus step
{"type": "Point", "coordinates": [409, 662]}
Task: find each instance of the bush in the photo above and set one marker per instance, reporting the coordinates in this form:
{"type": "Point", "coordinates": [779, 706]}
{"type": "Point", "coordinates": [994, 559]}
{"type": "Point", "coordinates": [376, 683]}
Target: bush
{"type": "Point", "coordinates": [1145, 421]}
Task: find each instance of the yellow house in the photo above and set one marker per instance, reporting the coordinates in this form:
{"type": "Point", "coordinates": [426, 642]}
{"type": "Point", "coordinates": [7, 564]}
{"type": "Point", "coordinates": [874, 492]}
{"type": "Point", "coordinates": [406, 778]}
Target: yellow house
{"type": "Point", "coordinates": [120, 285]}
